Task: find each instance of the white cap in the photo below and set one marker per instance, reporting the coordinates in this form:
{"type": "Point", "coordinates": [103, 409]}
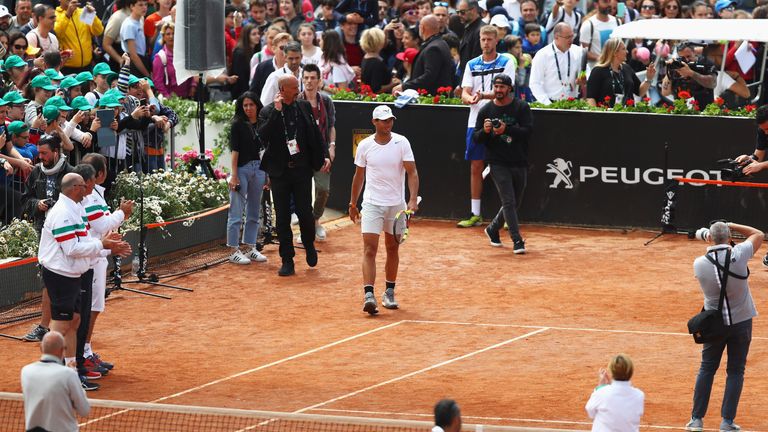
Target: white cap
{"type": "Point", "coordinates": [4, 11]}
{"type": "Point", "coordinates": [499, 20]}
{"type": "Point", "coordinates": [383, 112]}
{"type": "Point", "coordinates": [483, 4]}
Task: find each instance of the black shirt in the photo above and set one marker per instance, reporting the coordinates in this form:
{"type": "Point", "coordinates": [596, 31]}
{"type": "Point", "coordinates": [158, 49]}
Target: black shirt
{"type": "Point", "coordinates": [511, 147]}
{"type": "Point", "coordinates": [375, 73]}
{"type": "Point", "coordinates": [762, 140]}
{"type": "Point", "coordinates": [604, 82]}
{"type": "Point", "coordinates": [245, 141]}
{"type": "Point", "coordinates": [292, 120]}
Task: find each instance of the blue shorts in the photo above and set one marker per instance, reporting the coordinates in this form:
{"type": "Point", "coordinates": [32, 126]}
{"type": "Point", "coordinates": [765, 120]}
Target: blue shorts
{"type": "Point", "coordinates": [474, 151]}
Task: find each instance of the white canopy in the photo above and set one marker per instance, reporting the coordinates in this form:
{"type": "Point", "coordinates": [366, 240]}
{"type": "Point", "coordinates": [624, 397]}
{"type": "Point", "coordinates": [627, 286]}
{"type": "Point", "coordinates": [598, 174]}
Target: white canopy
{"type": "Point", "coordinates": [695, 29]}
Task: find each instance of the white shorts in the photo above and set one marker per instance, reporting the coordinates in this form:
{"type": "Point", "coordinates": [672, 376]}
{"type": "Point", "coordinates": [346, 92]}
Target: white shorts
{"type": "Point", "coordinates": [99, 285]}
{"type": "Point", "coordinates": [376, 219]}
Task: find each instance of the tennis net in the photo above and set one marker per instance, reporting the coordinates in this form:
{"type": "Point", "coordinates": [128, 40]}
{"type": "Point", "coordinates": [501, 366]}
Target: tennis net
{"type": "Point", "coordinates": [120, 416]}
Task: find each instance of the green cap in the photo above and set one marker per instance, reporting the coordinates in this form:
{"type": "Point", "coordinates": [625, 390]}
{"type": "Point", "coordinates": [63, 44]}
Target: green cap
{"type": "Point", "coordinates": [58, 102]}
{"type": "Point", "coordinates": [69, 82]}
{"type": "Point", "coordinates": [133, 79]}
{"type": "Point", "coordinates": [115, 92]}
{"type": "Point", "coordinates": [109, 101]}
{"type": "Point", "coordinates": [17, 127]}
{"type": "Point", "coordinates": [43, 82]}
{"type": "Point", "coordinates": [102, 69]}
{"type": "Point", "coordinates": [81, 103]}
{"type": "Point", "coordinates": [50, 113]}
{"type": "Point", "coordinates": [53, 74]}
{"type": "Point", "coordinates": [84, 77]}
{"type": "Point", "coordinates": [14, 97]}
{"type": "Point", "coordinates": [14, 61]}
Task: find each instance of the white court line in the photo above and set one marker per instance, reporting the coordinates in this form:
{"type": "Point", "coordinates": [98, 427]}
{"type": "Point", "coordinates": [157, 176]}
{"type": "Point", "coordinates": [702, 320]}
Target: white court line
{"type": "Point", "coordinates": [583, 329]}
{"type": "Point", "coordinates": [262, 367]}
{"type": "Point", "coordinates": [420, 371]}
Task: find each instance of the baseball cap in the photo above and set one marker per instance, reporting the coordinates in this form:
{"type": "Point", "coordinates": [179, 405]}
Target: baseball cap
{"type": "Point", "coordinates": [84, 77]}
{"type": "Point", "coordinates": [722, 4]}
{"type": "Point", "coordinates": [109, 101]}
{"type": "Point", "coordinates": [133, 79]}
{"type": "Point", "coordinates": [50, 113]}
{"type": "Point", "coordinates": [13, 61]}
{"type": "Point", "coordinates": [17, 127]}
{"type": "Point", "coordinates": [383, 112]}
{"type": "Point", "coordinates": [43, 82]}
{"type": "Point", "coordinates": [103, 69]}
{"type": "Point", "coordinates": [500, 21]}
{"type": "Point", "coordinates": [80, 103]}
{"type": "Point", "coordinates": [69, 82]}
{"type": "Point", "coordinates": [58, 102]}
{"type": "Point", "coordinates": [483, 4]}
{"type": "Point", "coordinates": [53, 74]}
{"type": "Point", "coordinates": [503, 79]}
{"type": "Point", "coordinates": [116, 93]}
{"type": "Point", "coordinates": [408, 55]}
{"type": "Point", "coordinates": [14, 97]}
{"type": "Point", "coordinates": [4, 12]}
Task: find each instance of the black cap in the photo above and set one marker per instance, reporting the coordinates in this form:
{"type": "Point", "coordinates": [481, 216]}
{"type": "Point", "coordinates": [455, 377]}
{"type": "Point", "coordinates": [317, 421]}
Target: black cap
{"type": "Point", "coordinates": [503, 79]}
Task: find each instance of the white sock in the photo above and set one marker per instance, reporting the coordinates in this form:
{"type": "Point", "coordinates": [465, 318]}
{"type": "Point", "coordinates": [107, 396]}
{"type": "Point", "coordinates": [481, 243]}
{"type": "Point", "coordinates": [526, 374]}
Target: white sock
{"type": "Point", "coordinates": [87, 351]}
{"type": "Point", "coordinates": [476, 207]}
{"type": "Point", "coordinates": [70, 362]}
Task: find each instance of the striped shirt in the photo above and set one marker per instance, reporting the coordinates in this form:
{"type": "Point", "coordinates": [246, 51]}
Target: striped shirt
{"type": "Point", "coordinates": [478, 76]}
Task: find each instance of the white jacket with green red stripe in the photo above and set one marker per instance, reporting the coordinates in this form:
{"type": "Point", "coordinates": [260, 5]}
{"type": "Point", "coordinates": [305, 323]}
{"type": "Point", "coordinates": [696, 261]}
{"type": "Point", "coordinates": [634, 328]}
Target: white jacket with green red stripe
{"type": "Point", "coordinates": [65, 246]}
{"type": "Point", "coordinates": [100, 220]}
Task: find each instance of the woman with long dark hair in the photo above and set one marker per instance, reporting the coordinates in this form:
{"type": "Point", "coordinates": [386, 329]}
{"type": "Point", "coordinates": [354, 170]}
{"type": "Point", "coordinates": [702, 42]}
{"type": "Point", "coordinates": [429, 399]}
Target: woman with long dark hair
{"type": "Point", "coordinates": [248, 44]}
{"type": "Point", "coordinates": [334, 68]}
{"type": "Point", "coordinates": [247, 180]}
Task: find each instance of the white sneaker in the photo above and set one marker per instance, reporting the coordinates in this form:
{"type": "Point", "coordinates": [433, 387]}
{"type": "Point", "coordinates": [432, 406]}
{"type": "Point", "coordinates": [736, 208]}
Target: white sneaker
{"type": "Point", "coordinates": [320, 234]}
{"type": "Point", "coordinates": [255, 255]}
{"type": "Point", "coordinates": [238, 257]}
{"type": "Point", "coordinates": [294, 219]}
{"type": "Point", "coordinates": [298, 239]}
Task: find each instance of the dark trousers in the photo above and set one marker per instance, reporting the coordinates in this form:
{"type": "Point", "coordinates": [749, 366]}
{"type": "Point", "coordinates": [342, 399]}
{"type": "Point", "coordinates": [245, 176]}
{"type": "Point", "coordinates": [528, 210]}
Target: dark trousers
{"type": "Point", "coordinates": [510, 182]}
{"type": "Point", "coordinates": [86, 292]}
{"type": "Point", "coordinates": [294, 183]}
{"type": "Point", "coordinates": [737, 342]}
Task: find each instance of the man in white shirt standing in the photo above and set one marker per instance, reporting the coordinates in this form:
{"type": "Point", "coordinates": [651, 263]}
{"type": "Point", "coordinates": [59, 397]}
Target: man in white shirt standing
{"type": "Point", "coordinates": [555, 68]}
{"type": "Point", "coordinates": [42, 36]}
{"type": "Point", "coordinates": [51, 390]}
{"type": "Point", "coordinates": [292, 51]}
{"type": "Point", "coordinates": [596, 31]}
{"type": "Point", "coordinates": [381, 162]}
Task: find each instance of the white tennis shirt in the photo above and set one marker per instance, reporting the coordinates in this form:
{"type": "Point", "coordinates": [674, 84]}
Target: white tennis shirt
{"type": "Point", "coordinates": [384, 169]}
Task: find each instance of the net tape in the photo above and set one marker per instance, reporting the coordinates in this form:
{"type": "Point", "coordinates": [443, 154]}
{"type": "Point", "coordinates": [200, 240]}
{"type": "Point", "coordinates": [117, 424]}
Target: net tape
{"type": "Point", "coordinates": [141, 417]}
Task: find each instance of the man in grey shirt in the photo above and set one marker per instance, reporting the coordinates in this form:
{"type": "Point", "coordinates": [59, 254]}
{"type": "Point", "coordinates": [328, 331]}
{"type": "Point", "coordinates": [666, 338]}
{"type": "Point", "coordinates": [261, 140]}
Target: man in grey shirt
{"type": "Point", "coordinates": [738, 311]}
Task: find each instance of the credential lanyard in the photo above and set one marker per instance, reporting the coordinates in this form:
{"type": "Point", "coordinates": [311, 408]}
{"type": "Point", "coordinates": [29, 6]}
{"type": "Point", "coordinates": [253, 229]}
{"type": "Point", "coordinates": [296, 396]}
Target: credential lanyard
{"type": "Point", "coordinates": [285, 127]}
{"type": "Point", "coordinates": [557, 64]}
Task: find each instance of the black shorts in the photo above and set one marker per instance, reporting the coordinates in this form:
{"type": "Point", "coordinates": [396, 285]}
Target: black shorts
{"type": "Point", "coordinates": [64, 293]}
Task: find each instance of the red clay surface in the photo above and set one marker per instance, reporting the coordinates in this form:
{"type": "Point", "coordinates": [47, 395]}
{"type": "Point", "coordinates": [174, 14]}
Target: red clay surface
{"type": "Point", "coordinates": [517, 340]}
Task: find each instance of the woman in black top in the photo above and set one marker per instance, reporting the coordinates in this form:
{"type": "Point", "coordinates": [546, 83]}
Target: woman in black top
{"type": "Point", "coordinates": [247, 180]}
{"type": "Point", "coordinates": [375, 72]}
{"type": "Point", "coordinates": [612, 80]}
{"type": "Point", "coordinates": [249, 43]}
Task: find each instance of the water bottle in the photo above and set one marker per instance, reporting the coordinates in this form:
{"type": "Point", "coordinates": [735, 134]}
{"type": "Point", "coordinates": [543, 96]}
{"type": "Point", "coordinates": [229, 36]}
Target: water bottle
{"type": "Point", "coordinates": [135, 265]}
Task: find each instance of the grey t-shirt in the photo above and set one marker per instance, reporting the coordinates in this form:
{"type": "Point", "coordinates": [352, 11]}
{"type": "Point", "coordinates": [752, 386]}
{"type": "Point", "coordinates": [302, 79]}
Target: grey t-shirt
{"type": "Point", "coordinates": [738, 306]}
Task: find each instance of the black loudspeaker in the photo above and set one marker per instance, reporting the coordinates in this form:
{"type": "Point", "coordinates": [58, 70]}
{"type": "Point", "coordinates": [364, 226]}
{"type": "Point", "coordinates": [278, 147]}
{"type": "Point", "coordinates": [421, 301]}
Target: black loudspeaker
{"type": "Point", "coordinates": [204, 22]}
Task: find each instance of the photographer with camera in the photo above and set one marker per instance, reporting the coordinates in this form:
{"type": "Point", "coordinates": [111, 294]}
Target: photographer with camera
{"type": "Point", "coordinates": [504, 127]}
{"type": "Point", "coordinates": [725, 266]}
{"type": "Point", "coordinates": [688, 72]}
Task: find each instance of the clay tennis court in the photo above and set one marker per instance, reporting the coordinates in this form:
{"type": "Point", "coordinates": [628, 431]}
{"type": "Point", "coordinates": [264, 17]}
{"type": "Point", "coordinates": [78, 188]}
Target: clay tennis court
{"type": "Point", "coordinates": [517, 340]}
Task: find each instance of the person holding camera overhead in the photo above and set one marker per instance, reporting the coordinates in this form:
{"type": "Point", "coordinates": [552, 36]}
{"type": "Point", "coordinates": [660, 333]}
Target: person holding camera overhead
{"type": "Point", "coordinates": [612, 80]}
{"type": "Point", "coordinates": [504, 127]}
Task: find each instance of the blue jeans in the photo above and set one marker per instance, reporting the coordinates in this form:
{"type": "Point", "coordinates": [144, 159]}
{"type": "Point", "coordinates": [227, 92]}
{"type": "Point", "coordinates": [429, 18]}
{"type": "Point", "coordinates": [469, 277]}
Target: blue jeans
{"type": "Point", "coordinates": [737, 342]}
{"type": "Point", "coordinates": [248, 200]}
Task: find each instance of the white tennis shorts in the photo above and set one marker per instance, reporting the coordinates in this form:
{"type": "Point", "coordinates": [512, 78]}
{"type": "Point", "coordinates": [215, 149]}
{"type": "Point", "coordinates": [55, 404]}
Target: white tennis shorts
{"type": "Point", "coordinates": [376, 218]}
{"type": "Point", "coordinates": [99, 285]}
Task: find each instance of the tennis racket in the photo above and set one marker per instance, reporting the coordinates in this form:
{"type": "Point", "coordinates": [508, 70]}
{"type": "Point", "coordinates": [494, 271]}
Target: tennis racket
{"type": "Point", "coordinates": [400, 225]}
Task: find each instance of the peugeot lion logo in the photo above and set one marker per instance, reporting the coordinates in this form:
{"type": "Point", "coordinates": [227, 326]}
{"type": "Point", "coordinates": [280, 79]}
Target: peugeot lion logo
{"type": "Point", "coordinates": [562, 171]}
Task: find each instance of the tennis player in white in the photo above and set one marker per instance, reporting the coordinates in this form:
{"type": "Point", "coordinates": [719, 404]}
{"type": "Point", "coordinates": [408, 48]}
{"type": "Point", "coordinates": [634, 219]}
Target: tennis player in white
{"type": "Point", "coordinates": [381, 162]}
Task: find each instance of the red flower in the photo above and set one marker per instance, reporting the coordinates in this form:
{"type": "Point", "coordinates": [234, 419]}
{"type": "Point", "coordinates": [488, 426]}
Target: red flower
{"type": "Point", "coordinates": [750, 108]}
{"type": "Point", "coordinates": [719, 101]}
{"type": "Point", "coordinates": [670, 109]}
{"type": "Point", "coordinates": [630, 102]}
{"type": "Point", "coordinates": [607, 98]}
{"type": "Point", "coordinates": [436, 99]}
{"type": "Point", "coordinates": [331, 86]}
{"type": "Point", "coordinates": [726, 110]}
{"type": "Point", "coordinates": [646, 99]}
{"type": "Point", "coordinates": [446, 89]}
{"type": "Point", "coordinates": [684, 95]}
{"type": "Point", "coordinates": [571, 99]}
{"type": "Point", "coordinates": [421, 92]}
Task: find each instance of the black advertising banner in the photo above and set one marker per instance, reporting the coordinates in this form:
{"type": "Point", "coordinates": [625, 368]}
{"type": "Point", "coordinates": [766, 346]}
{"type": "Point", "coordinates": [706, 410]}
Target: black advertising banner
{"type": "Point", "coordinates": [586, 168]}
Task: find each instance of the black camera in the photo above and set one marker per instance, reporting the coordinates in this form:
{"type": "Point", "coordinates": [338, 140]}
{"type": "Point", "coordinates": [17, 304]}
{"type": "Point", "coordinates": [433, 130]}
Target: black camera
{"type": "Point", "coordinates": [730, 169]}
{"type": "Point", "coordinates": [237, 187]}
{"type": "Point", "coordinates": [49, 202]}
{"type": "Point", "coordinates": [496, 123]}
{"type": "Point", "coordinates": [696, 66]}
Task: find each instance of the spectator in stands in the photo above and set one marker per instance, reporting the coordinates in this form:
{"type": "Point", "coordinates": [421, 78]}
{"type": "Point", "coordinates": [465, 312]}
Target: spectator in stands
{"type": "Point", "coordinates": [533, 41]}
{"type": "Point", "coordinates": [334, 69]}
{"type": "Point", "coordinates": [447, 416]}
{"type": "Point", "coordinates": [289, 10]}
{"type": "Point", "coordinates": [23, 15]}
{"type": "Point", "coordinates": [248, 44]}
{"type": "Point", "coordinates": [364, 13]}
{"type": "Point", "coordinates": [424, 7]}
{"type": "Point", "coordinates": [406, 58]}
{"type": "Point", "coordinates": [375, 72]}
{"type": "Point", "coordinates": [233, 25]}
{"type": "Point", "coordinates": [111, 43]}
{"type": "Point", "coordinates": [272, 10]}
{"type": "Point", "coordinates": [163, 70]}
{"type": "Point", "coordinates": [5, 19]}
{"type": "Point", "coordinates": [133, 41]}
{"type": "Point", "coordinates": [310, 52]}
{"type": "Point", "coordinates": [85, 127]}
{"type": "Point", "coordinates": [441, 13]}
{"type": "Point", "coordinates": [649, 9]}
{"type": "Point", "coordinates": [18, 133]}
{"type": "Point", "coordinates": [469, 48]}
{"type": "Point", "coordinates": [596, 30]}
{"type": "Point", "coordinates": [10, 199]}
{"type": "Point", "coordinates": [671, 9]}
{"type": "Point", "coordinates": [616, 405]}
{"type": "Point", "coordinates": [163, 119]}
{"type": "Point", "coordinates": [52, 392]}
{"type": "Point", "coordinates": [409, 14]}
{"type": "Point", "coordinates": [384, 14]}
{"type": "Point", "coordinates": [266, 67]}
{"type": "Point", "coordinates": [40, 89]}
{"type": "Point", "coordinates": [102, 77]}
{"type": "Point", "coordinates": [522, 77]}
{"type": "Point", "coordinates": [699, 10]}
{"type": "Point", "coordinates": [700, 86]}
{"type": "Point", "coordinates": [17, 44]}
{"type": "Point", "coordinates": [153, 22]}
{"type": "Point", "coordinates": [352, 50]}
{"type": "Point", "coordinates": [42, 36]}
{"type": "Point", "coordinates": [738, 312]}
{"type": "Point", "coordinates": [612, 80]}
{"type": "Point", "coordinates": [266, 52]}
{"type": "Point", "coordinates": [530, 15]}
{"type": "Point", "coordinates": [434, 66]}
{"type": "Point", "coordinates": [292, 66]}
{"type": "Point", "coordinates": [411, 38]}
{"type": "Point", "coordinates": [258, 14]}
{"type": "Point", "coordinates": [724, 9]}
{"type": "Point", "coordinates": [477, 90]}
{"type": "Point", "coordinates": [555, 70]}
{"type": "Point", "coordinates": [729, 85]}
{"type": "Point", "coordinates": [327, 19]}
{"type": "Point", "coordinates": [75, 36]}
{"type": "Point", "coordinates": [564, 11]}
{"type": "Point", "coordinates": [16, 68]}
{"type": "Point", "coordinates": [71, 88]}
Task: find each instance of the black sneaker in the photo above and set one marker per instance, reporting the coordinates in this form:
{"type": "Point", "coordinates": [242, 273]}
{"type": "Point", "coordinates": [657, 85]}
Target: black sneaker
{"type": "Point", "coordinates": [311, 255]}
{"type": "Point", "coordinates": [87, 385]}
{"type": "Point", "coordinates": [36, 334]}
{"type": "Point", "coordinates": [287, 268]}
{"type": "Point", "coordinates": [493, 236]}
{"type": "Point", "coordinates": [519, 247]}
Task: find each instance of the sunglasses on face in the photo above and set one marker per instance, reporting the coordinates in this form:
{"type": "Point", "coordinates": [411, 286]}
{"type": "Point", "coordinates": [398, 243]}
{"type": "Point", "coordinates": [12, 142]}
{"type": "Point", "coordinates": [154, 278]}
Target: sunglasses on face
{"type": "Point", "coordinates": [20, 47]}
{"type": "Point", "coordinates": [649, 7]}
{"type": "Point", "coordinates": [439, 3]}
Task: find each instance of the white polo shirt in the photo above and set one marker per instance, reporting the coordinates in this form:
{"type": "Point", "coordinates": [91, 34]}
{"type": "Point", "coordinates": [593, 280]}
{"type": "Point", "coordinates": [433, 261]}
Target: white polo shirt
{"type": "Point", "coordinates": [616, 407]}
{"type": "Point", "coordinates": [554, 73]}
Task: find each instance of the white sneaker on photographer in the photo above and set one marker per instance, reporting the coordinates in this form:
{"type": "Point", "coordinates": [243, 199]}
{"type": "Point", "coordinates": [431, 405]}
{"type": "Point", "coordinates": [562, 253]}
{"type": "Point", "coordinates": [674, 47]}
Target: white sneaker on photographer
{"type": "Point", "coordinates": [320, 234]}
{"type": "Point", "coordinates": [255, 255]}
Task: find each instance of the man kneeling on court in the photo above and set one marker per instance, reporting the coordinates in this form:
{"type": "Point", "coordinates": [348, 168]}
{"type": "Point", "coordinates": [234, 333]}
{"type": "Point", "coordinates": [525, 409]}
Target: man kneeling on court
{"type": "Point", "coordinates": [64, 254]}
{"type": "Point", "coordinates": [382, 160]}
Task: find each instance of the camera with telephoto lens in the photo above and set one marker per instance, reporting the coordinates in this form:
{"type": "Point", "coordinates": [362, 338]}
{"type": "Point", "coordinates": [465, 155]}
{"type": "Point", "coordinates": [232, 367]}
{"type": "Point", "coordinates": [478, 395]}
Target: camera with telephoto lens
{"type": "Point", "coordinates": [696, 66]}
{"type": "Point", "coordinates": [496, 123]}
{"type": "Point", "coordinates": [730, 169]}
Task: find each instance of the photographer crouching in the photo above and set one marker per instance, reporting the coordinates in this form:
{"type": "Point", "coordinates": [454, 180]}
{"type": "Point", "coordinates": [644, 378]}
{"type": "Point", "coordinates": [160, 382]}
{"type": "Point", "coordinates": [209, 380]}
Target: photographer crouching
{"type": "Point", "coordinates": [691, 73]}
{"type": "Point", "coordinates": [504, 126]}
{"type": "Point", "coordinates": [725, 266]}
